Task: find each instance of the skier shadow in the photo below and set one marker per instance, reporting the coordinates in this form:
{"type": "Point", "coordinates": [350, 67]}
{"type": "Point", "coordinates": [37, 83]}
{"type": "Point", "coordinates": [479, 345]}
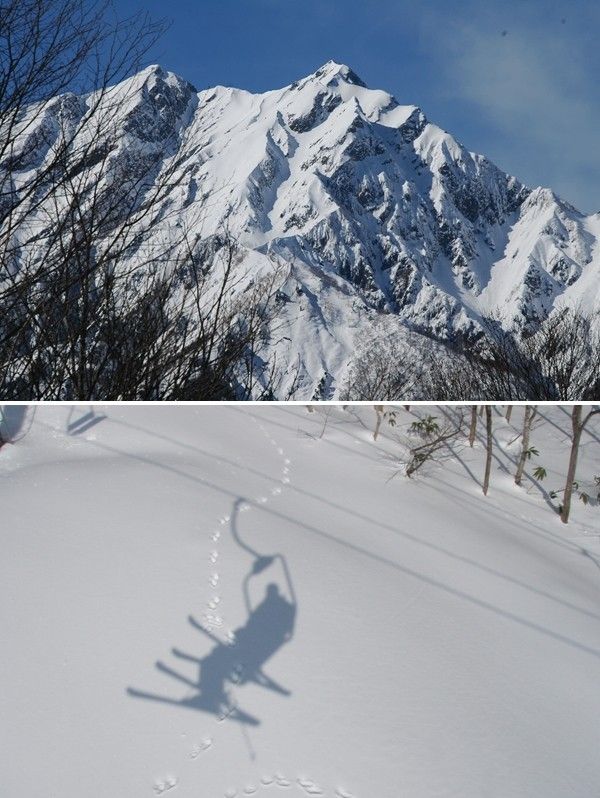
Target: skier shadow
{"type": "Point", "coordinates": [240, 660]}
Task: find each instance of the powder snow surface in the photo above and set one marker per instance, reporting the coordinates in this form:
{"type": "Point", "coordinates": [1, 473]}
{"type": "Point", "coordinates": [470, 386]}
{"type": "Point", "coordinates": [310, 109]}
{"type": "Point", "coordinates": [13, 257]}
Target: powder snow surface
{"type": "Point", "coordinates": [420, 640]}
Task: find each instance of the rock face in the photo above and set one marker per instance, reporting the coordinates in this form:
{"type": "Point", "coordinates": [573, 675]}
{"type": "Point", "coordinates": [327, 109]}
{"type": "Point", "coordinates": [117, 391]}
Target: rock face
{"type": "Point", "coordinates": [380, 221]}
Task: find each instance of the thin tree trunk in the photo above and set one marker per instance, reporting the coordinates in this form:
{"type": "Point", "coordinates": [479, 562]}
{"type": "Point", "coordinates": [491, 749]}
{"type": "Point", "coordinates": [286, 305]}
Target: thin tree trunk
{"type": "Point", "coordinates": [577, 430]}
{"type": "Point", "coordinates": [473, 427]}
{"type": "Point", "coordinates": [379, 418]}
{"type": "Point", "coordinates": [525, 444]}
{"type": "Point", "coordinates": [488, 456]}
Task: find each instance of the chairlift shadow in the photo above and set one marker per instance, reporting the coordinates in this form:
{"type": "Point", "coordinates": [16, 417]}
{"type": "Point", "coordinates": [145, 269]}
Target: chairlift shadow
{"type": "Point", "coordinates": [239, 661]}
{"type": "Point", "coordinates": [83, 423]}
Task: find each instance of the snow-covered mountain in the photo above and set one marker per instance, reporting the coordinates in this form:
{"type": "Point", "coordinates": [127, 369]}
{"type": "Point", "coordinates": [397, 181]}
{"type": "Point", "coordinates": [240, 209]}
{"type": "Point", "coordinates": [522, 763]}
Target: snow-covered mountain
{"type": "Point", "coordinates": [379, 220]}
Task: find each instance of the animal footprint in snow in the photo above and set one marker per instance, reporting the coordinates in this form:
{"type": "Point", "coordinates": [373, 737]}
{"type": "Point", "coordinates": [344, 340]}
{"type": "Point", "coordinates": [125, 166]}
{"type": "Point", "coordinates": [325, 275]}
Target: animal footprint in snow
{"type": "Point", "coordinates": [226, 713]}
{"type": "Point", "coordinates": [280, 450]}
{"type": "Point", "coordinates": [213, 603]}
{"type": "Point", "coordinates": [162, 786]}
{"type": "Point", "coordinates": [287, 461]}
{"type": "Point", "coordinates": [230, 793]}
{"type": "Point", "coordinates": [275, 491]}
{"type": "Point", "coordinates": [214, 556]}
{"type": "Point", "coordinates": [262, 499]}
{"type": "Point", "coordinates": [215, 536]}
{"type": "Point", "coordinates": [212, 621]}
{"type": "Point", "coordinates": [224, 520]}
{"type": "Point", "coordinates": [282, 781]}
{"type": "Point", "coordinates": [198, 749]}
{"type": "Point", "coordinates": [214, 579]}
{"type": "Point", "coordinates": [244, 507]}
{"type": "Point", "coordinates": [250, 789]}
{"type": "Point", "coordinates": [236, 675]}
{"type": "Point", "coordinates": [231, 640]}
{"type": "Point", "coordinates": [267, 780]}
{"type": "Point", "coordinates": [342, 793]}
{"type": "Point", "coordinates": [285, 480]}
{"type": "Point", "coordinates": [310, 787]}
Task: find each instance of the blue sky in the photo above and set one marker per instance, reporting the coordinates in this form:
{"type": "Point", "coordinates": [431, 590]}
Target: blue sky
{"type": "Point", "coordinates": [515, 80]}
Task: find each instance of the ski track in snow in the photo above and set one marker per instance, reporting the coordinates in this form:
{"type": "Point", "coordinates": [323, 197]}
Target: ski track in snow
{"type": "Point", "coordinates": [213, 620]}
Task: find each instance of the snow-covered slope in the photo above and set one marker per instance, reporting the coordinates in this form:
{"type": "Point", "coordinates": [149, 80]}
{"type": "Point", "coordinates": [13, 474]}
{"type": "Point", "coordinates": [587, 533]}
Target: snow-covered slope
{"type": "Point", "coordinates": [420, 640]}
{"type": "Point", "coordinates": [367, 207]}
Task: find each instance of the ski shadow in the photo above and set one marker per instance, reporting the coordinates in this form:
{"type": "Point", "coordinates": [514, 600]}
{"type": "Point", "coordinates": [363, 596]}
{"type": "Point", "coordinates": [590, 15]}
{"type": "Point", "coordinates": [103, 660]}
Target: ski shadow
{"type": "Point", "coordinates": [239, 660]}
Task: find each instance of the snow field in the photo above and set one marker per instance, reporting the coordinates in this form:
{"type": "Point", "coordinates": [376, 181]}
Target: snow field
{"type": "Point", "coordinates": [444, 643]}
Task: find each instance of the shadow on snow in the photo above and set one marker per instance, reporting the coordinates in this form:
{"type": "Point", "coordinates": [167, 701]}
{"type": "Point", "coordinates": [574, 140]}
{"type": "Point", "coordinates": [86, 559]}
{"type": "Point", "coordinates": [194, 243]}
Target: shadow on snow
{"type": "Point", "coordinates": [241, 659]}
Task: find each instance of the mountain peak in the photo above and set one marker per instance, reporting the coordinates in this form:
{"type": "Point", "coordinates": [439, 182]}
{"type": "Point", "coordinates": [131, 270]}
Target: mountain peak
{"type": "Point", "coordinates": [152, 70]}
{"type": "Point", "coordinates": [332, 70]}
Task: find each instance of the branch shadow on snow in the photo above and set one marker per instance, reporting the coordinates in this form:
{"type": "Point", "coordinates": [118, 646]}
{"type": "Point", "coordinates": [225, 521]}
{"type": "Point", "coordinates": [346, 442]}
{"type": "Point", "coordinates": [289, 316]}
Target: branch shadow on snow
{"type": "Point", "coordinates": [447, 413]}
{"type": "Point", "coordinates": [233, 663]}
{"type": "Point", "coordinates": [480, 437]}
{"type": "Point", "coordinates": [587, 430]}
